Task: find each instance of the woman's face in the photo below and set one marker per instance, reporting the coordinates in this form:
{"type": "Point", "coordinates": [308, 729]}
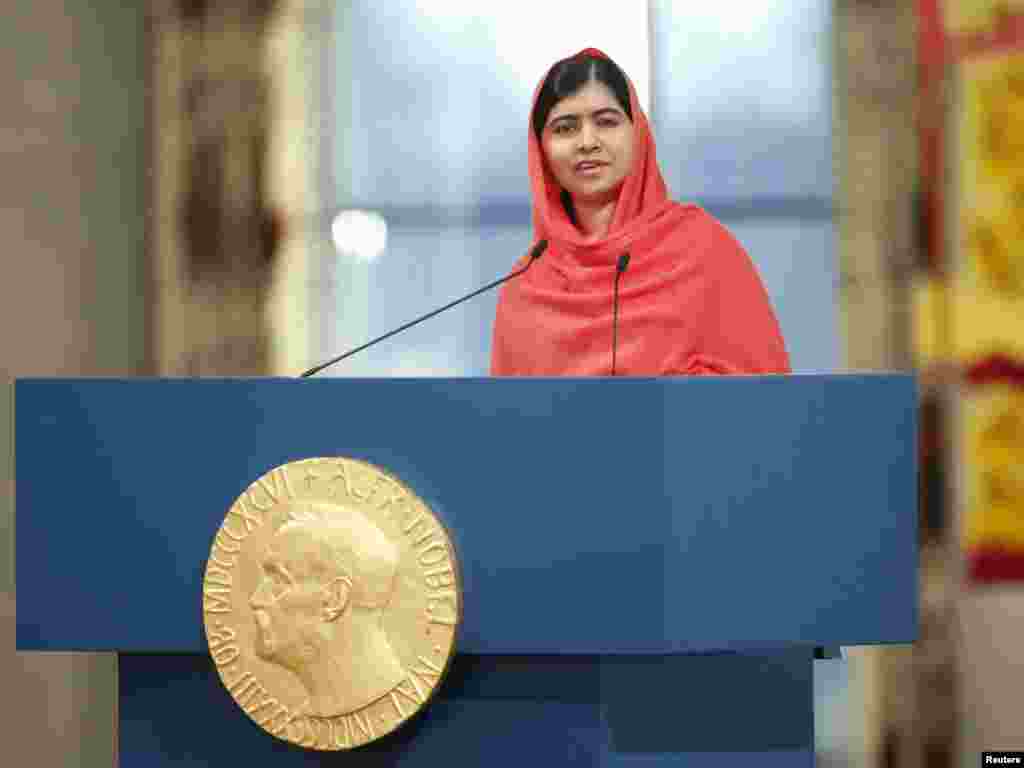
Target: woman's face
{"type": "Point", "coordinates": [588, 143]}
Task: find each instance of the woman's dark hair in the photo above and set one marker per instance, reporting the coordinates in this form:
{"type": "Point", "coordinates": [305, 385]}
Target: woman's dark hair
{"type": "Point", "coordinates": [569, 75]}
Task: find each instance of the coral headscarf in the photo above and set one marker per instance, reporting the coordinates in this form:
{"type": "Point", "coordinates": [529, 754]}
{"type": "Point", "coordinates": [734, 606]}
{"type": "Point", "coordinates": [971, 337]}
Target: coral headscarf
{"type": "Point", "coordinates": [690, 302]}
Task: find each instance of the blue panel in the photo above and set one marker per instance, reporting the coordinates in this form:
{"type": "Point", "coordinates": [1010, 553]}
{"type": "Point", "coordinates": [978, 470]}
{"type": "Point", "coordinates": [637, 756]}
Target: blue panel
{"type": "Point", "coordinates": [796, 260]}
{"type": "Point", "coordinates": [788, 758]}
{"type": "Point", "coordinates": [428, 264]}
{"type": "Point", "coordinates": [625, 516]}
{"type": "Point", "coordinates": [700, 703]}
{"type": "Point", "coordinates": [583, 711]}
{"type": "Point", "coordinates": [174, 712]}
{"type": "Point", "coordinates": [425, 111]}
{"type": "Point", "coordinates": [422, 269]}
{"type": "Point", "coordinates": [742, 99]}
{"type": "Point", "coordinates": [776, 537]}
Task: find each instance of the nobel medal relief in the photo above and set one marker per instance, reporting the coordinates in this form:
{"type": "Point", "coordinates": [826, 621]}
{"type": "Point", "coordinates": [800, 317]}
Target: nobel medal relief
{"type": "Point", "coordinates": [331, 602]}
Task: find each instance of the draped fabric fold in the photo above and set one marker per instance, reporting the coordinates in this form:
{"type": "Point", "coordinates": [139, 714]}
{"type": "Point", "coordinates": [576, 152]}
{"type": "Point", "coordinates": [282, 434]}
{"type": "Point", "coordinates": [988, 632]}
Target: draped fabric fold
{"type": "Point", "coordinates": [691, 301]}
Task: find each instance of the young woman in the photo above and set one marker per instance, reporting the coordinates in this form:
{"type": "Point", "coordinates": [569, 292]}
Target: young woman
{"type": "Point", "coordinates": [631, 283]}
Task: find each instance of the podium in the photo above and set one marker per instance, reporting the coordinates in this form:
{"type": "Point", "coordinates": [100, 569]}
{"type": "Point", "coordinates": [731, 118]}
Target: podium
{"type": "Point", "coordinates": [647, 564]}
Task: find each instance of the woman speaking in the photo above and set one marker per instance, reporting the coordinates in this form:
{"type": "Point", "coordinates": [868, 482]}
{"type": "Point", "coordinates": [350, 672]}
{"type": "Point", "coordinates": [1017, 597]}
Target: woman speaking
{"type": "Point", "coordinates": [631, 283]}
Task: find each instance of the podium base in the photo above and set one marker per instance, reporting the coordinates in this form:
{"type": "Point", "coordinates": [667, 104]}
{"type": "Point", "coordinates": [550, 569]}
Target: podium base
{"type": "Point", "coordinates": [697, 711]}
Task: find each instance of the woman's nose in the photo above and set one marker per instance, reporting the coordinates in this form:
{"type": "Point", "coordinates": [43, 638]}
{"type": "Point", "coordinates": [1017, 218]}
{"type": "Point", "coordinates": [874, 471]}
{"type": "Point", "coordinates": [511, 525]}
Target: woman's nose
{"type": "Point", "coordinates": [588, 137]}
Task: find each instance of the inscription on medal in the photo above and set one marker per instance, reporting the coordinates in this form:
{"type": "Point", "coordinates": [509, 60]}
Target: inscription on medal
{"type": "Point", "coordinates": [331, 601]}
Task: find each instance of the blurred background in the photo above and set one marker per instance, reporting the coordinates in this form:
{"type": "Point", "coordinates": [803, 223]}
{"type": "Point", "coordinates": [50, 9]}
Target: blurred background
{"type": "Point", "coordinates": [218, 187]}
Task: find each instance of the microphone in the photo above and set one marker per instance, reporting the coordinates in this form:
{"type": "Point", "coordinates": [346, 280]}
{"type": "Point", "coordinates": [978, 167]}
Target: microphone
{"type": "Point", "coordinates": [619, 269]}
{"type": "Point", "coordinates": [538, 249]}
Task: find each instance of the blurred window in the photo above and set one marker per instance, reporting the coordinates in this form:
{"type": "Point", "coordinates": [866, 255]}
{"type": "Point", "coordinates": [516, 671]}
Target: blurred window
{"type": "Point", "coordinates": [426, 125]}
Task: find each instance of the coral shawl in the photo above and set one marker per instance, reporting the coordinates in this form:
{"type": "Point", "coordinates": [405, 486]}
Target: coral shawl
{"type": "Point", "coordinates": [690, 301]}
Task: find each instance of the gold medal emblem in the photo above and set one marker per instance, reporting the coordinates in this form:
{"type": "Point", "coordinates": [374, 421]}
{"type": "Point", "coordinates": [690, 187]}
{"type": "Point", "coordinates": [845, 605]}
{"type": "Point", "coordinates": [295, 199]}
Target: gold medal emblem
{"type": "Point", "coordinates": [331, 601]}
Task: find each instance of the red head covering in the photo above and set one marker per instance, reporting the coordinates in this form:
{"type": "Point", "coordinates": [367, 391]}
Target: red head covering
{"type": "Point", "coordinates": [689, 302]}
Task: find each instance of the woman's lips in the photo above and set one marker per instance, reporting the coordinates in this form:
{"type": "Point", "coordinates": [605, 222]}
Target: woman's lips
{"type": "Point", "coordinates": [589, 169]}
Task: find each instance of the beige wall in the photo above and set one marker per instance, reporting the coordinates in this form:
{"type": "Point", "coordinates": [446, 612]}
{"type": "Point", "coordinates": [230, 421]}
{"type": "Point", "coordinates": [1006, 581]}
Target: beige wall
{"type": "Point", "coordinates": [73, 292]}
{"type": "Point", "coordinates": [876, 158]}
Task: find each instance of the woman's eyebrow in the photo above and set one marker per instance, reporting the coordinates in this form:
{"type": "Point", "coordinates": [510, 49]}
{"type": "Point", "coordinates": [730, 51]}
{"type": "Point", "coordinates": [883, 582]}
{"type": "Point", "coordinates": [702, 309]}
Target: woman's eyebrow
{"type": "Point", "coordinates": [595, 113]}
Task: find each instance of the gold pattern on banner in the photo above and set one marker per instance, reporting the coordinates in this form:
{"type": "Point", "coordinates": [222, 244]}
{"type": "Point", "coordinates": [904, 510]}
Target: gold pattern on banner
{"type": "Point", "coordinates": [989, 285]}
{"type": "Point", "coordinates": [930, 296]}
{"type": "Point", "coordinates": [993, 460]}
{"type": "Point", "coordinates": [964, 17]}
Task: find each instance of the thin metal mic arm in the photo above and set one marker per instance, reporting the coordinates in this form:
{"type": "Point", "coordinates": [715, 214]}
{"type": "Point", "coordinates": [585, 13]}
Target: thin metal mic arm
{"type": "Point", "coordinates": [534, 255]}
{"type": "Point", "coordinates": [619, 269]}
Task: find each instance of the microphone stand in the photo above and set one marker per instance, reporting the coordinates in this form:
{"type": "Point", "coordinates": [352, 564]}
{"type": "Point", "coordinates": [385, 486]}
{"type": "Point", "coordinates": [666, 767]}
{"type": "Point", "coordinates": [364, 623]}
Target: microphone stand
{"type": "Point", "coordinates": [534, 255]}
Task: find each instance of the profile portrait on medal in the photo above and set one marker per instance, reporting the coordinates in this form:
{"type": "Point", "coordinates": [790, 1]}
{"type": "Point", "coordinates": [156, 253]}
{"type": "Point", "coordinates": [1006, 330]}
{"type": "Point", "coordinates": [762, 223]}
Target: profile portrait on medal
{"type": "Point", "coordinates": [326, 578]}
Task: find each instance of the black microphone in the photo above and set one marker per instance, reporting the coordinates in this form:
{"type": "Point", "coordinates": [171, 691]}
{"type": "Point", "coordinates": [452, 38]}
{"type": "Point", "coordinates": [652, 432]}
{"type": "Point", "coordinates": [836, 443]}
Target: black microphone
{"type": "Point", "coordinates": [538, 249]}
{"type": "Point", "coordinates": [619, 269]}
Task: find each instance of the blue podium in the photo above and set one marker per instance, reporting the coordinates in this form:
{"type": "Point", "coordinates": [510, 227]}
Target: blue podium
{"type": "Point", "coordinates": [647, 564]}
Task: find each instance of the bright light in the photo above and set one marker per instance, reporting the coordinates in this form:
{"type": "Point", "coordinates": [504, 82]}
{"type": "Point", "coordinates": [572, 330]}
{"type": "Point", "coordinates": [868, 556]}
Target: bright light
{"type": "Point", "coordinates": [557, 30]}
{"type": "Point", "coordinates": [531, 35]}
{"type": "Point", "coordinates": [362, 234]}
